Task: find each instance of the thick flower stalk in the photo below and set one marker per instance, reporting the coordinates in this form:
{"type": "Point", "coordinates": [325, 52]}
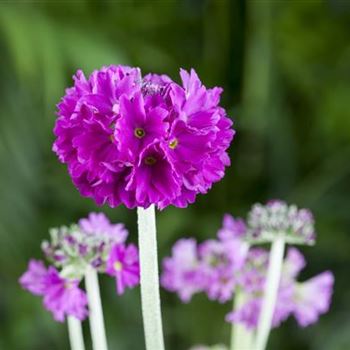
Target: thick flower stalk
{"type": "Point", "coordinates": [77, 252]}
{"type": "Point", "coordinates": [142, 141]}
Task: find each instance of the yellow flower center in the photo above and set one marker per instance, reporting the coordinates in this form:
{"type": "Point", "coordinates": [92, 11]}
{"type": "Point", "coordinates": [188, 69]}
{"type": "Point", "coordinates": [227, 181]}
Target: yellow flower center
{"type": "Point", "coordinates": [139, 133]}
{"type": "Point", "coordinates": [118, 266]}
{"type": "Point", "coordinates": [173, 143]}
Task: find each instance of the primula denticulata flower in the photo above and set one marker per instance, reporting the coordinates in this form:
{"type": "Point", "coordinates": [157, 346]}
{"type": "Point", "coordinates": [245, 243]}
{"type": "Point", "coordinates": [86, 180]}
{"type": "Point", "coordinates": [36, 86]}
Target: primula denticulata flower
{"type": "Point", "coordinates": [89, 242]}
{"type": "Point", "coordinates": [209, 267]}
{"type": "Point", "coordinates": [94, 242]}
{"type": "Point", "coordinates": [218, 267]}
{"type": "Point", "coordinates": [277, 217]}
{"type": "Point", "coordinates": [142, 140]}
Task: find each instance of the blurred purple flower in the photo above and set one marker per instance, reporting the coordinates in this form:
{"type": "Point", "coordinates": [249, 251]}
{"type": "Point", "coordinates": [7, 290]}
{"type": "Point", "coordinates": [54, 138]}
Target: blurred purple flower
{"type": "Point", "coordinates": [312, 298]}
{"type": "Point", "coordinates": [220, 262]}
{"type": "Point", "coordinates": [95, 223]}
{"type": "Point", "coordinates": [232, 228]}
{"type": "Point", "coordinates": [33, 279]}
{"type": "Point", "coordinates": [306, 300]}
{"type": "Point", "coordinates": [98, 224]}
{"type": "Point", "coordinates": [123, 264]}
{"type": "Point", "coordinates": [181, 273]}
{"type": "Point", "coordinates": [138, 141]}
{"type": "Point", "coordinates": [63, 297]}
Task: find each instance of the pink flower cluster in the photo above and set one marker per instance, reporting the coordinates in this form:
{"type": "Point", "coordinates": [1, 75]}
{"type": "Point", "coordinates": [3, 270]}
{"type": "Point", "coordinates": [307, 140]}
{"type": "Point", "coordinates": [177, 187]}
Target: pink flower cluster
{"type": "Point", "coordinates": [209, 267]}
{"type": "Point", "coordinates": [217, 267]}
{"type": "Point", "coordinates": [142, 140]}
{"type": "Point", "coordinates": [306, 301]}
{"type": "Point", "coordinates": [95, 242]}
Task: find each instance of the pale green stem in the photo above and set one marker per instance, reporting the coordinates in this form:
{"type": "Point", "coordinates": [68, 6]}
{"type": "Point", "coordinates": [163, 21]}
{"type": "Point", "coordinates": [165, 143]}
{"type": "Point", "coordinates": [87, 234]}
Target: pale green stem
{"type": "Point", "coordinates": [97, 327]}
{"type": "Point", "coordinates": [270, 293]}
{"type": "Point", "coordinates": [151, 311]}
{"type": "Point", "coordinates": [241, 337]}
{"type": "Point", "coordinates": [75, 331]}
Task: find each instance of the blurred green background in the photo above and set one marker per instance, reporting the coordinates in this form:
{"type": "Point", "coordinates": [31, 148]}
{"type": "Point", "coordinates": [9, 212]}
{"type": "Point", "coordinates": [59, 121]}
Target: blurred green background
{"type": "Point", "coordinates": [285, 68]}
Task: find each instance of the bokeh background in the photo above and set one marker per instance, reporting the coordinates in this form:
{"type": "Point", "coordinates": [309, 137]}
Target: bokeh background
{"type": "Point", "coordinates": [285, 68]}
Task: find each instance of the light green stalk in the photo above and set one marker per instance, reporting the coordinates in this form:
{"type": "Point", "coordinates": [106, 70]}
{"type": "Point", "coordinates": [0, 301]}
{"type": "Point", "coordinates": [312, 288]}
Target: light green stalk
{"type": "Point", "coordinates": [241, 337]}
{"type": "Point", "coordinates": [151, 310]}
{"type": "Point", "coordinates": [97, 327]}
{"type": "Point", "coordinates": [75, 331]}
{"type": "Point", "coordinates": [271, 289]}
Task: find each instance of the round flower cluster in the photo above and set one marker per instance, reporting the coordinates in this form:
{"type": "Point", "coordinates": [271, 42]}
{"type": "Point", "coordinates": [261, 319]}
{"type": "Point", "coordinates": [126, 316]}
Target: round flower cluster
{"type": "Point", "coordinates": [223, 266]}
{"type": "Point", "coordinates": [142, 140]}
{"type": "Point", "coordinates": [265, 221]}
{"type": "Point", "coordinates": [93, 242]}
{"type": "Point", "coordinates": [89, 242]}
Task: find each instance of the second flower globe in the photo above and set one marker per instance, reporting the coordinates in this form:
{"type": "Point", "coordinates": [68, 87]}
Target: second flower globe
{"type": "Point", "coordinates": [142, 140]}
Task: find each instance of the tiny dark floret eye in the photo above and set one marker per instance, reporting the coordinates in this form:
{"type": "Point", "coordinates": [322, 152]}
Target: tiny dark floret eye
{"type": "Point", "coordinates": [173, 143]}
{"type": "Point", "coordinates": [139, 133]}
{"type": "Point", "coordinates": [150, 160]}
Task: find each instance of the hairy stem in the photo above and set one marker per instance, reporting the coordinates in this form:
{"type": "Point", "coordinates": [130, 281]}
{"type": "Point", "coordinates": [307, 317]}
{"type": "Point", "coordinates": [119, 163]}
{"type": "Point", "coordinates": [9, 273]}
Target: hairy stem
{"type": "Point", "coordinates": [97, 327]}
{"type": "Point", "coordinates": [75, 331]}
{"type": "Point", "coordinates": [271, 289]}
{"type": "Point", "coordinates": [151, 312]}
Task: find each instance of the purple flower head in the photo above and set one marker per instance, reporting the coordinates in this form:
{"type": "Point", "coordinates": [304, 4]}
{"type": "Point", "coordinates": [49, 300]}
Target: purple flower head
{"type": "Point", "coordinates": [232, 228]}
{"type": "Point", "coordinates": [312, 298]}
{"type": "Point", "coordinates": [276, 217]}
{"type": "Point", "coordinates": [123, 264]}
{"type": "Point", "coordinates": [63, 297]}
{"type": "Point", "coordinates": [33, 279]}
{"type": "Point", "coordinates": [71, 248]}
{"type": "Point", "coordinates": [181, 273]}
{"type": "Point", "coordinates": [142, 140]}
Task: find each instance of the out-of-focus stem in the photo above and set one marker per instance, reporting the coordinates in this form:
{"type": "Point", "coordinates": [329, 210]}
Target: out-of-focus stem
{"type": "Point", "coordinates": [241, 337]}
{"type": "Point", "coordinates": [270, 294]}
{"type": "Point", "coordinates": [75, 331]}
{"type": "Point", "coordinates": [97, 327]}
